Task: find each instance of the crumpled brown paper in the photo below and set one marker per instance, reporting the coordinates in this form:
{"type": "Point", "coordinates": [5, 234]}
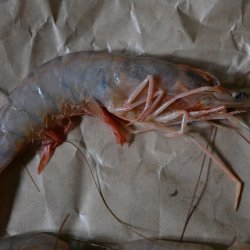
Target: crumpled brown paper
{"type": "Point", "coordinates": [150, 182]}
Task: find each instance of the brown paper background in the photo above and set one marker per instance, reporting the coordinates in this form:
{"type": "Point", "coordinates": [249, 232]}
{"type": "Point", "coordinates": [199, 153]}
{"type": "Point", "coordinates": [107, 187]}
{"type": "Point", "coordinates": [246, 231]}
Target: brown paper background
{"type": "Point", "coordinates": [138, 180]}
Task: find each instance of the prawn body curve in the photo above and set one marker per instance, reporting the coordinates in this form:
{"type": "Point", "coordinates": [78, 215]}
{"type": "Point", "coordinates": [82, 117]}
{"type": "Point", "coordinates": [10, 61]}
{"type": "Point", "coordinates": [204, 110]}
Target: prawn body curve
{"type": "Point", "coordinates": [140, 90]}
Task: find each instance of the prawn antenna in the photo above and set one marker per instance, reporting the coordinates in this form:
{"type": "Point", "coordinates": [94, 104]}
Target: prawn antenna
{"type": "Point", "coordinates": [76, 240]}
{"type": "Point", "coordinates": [60, 229]}
{"type": "Point", "coordinates": [128, 226]}
{"type": "Point", "coordinates": [32, 179]}
{"type": "Point", "coordinates": [193, 206]}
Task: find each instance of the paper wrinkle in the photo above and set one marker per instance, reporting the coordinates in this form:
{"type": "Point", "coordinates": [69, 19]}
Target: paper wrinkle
{"type": "Point", "coordinates": [148, 183]}
{"type": "Point", "coordinates": [38, 27]}
{"type": "Point", "coordinates": [60, 41]}
{"type": "Point", "coordinates": [240, 44]}
{"type": "Point", "coordinates": [13, 8]}
{"type": "Point", "coordinates": [56, 8]}
{"type": "Point", "coordinates": [3, 98]}
{"type": "Point", "coordinates": [134, 19]}
{"type": "Point", "coordinates": [190, 25]}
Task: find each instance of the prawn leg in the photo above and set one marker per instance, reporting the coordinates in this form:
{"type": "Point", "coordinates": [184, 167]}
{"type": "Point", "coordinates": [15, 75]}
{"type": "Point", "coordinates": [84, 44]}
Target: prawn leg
{"type": "Point", "coordinates": [180, 96]}
{"type": "Point", "coordinates": [149, 104]}
{"type": "Point", "coordinates": [139, 89]}
{"type": "Point", "coordinates": [96, 110]}
{"type": "Point", "coordinates": [221, 164]}
{"type": "Point", "coordinates": [149, 97]}
{"type": "Point", "coordinates": [173, 116]}
{"type": "Point", "coordinates": [109, 120]}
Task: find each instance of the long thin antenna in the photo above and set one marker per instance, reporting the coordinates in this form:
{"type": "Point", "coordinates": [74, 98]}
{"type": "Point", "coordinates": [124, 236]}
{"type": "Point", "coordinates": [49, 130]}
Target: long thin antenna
{"type": "Point", "coordinates": [60, 229]}
{"type": "Point", "coordinates": [193, 206]}
{"type": "Point", "coordinates": [98, 186]}
{"type": "Point", "coordinates": [32, 179]}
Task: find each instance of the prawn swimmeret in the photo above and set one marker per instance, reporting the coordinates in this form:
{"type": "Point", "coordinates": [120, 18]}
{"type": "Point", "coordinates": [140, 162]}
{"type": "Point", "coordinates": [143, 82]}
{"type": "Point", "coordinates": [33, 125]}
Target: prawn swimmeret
{"type": "Point", "coordinates": [133, 94]}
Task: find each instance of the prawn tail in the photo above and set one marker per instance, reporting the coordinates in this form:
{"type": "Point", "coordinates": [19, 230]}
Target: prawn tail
{"type": "Point", "coordinates": [47, 153]}
{"type": "Point", "coordinates": [52, 138]}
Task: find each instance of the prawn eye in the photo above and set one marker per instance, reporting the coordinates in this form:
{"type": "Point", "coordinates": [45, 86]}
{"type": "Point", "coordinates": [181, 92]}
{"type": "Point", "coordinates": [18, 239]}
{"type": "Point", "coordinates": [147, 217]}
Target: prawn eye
{"type": "Point", "coordinates": [239, 95]}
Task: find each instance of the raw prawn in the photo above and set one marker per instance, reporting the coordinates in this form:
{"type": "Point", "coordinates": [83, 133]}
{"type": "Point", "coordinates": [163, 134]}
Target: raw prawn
{"type": "Point", "coordinates": [137, 94]}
